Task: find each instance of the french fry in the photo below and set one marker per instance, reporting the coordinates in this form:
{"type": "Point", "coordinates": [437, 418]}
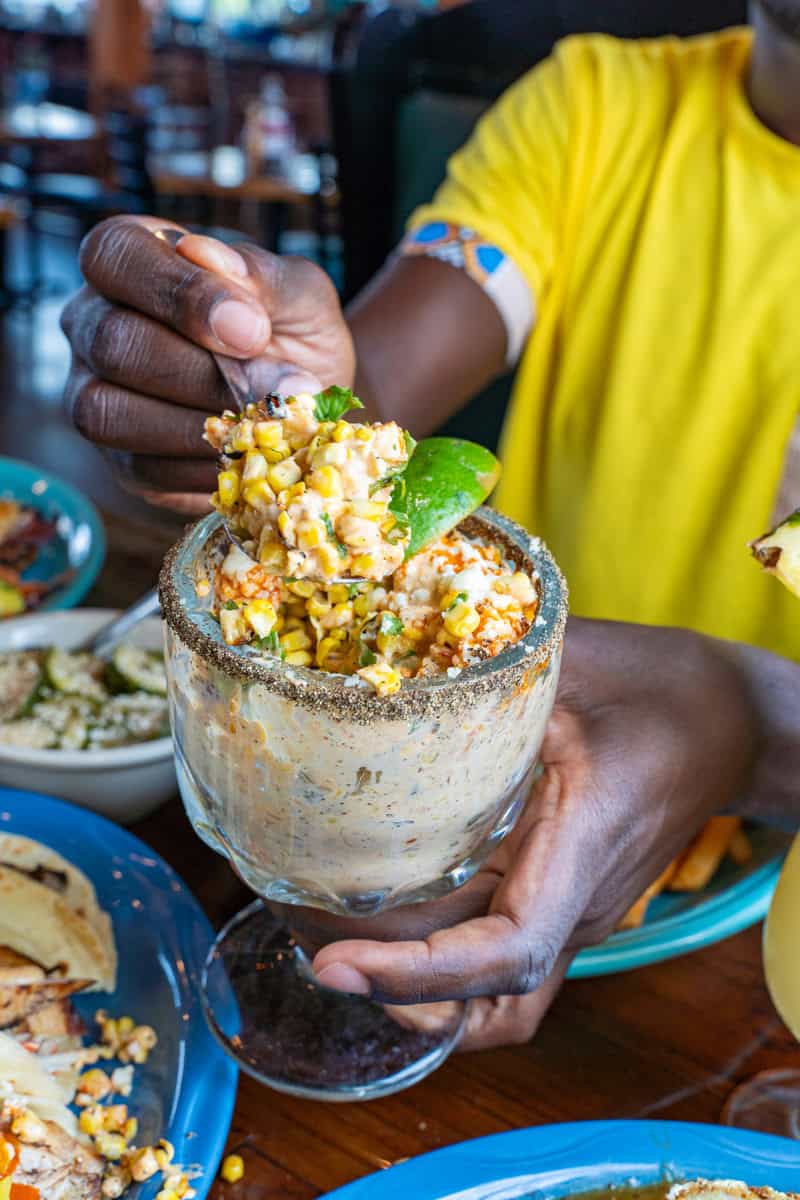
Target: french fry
{"type": "Point", "coordinates": [740, 850]}
{"type": "Point", "coordinates": [705, 854]}
{"type": "Point", "coordinates": [636, 914]}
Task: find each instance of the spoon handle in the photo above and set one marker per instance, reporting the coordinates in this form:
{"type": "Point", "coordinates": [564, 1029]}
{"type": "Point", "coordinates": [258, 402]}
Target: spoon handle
{"type": "Point", "coordinates": [104, 640]}
{"type": "Point", "coordinates": [232, 370]}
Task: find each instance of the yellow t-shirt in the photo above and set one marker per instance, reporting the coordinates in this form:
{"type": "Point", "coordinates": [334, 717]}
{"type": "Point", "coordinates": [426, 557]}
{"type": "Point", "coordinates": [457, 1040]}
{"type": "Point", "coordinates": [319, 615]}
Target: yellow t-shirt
{"type": "Point", "coordinates": [657, 223]}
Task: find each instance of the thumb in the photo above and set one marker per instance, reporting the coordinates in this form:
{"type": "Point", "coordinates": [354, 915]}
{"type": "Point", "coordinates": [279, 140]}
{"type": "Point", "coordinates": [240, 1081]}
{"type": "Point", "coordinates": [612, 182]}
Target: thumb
{"type": "Point", "coordinates": [510, 951]}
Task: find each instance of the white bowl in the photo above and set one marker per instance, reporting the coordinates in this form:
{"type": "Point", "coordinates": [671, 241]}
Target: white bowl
{"type": "Point", "coordinates": [124, 783]}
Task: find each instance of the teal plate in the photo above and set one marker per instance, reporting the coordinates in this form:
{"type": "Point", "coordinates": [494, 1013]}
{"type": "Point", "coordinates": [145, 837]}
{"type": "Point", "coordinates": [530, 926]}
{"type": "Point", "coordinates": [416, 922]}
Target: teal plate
{"type": "Point", "coordinates": [676, 924]}
{"type": "Point", "coordinates": [80, 544]}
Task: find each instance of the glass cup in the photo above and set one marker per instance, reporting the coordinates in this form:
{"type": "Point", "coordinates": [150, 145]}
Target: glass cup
{"type": "Point", "coordinates": [325, 795]}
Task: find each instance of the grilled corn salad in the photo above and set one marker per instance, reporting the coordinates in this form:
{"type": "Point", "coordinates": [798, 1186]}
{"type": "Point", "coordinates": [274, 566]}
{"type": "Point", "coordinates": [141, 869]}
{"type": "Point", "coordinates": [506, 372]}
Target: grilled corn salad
{"type": "Point", "coordinates": [308, 493]}
{"type": "Point", "coordinates": [455, 603]}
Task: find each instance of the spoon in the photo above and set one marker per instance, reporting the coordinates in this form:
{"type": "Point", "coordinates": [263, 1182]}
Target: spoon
{"type": "Point", "coordinates": [232, 370]}
{"type": "Point", "coordinates": [105, 639]}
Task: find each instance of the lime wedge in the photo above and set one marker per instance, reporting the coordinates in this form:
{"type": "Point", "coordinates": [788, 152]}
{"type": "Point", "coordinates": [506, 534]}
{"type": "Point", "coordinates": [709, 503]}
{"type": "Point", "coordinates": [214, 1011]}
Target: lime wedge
{"type": "Point", "coordinates": [779, 552]}
{"type": "Point", "coordinates": [445, 480]}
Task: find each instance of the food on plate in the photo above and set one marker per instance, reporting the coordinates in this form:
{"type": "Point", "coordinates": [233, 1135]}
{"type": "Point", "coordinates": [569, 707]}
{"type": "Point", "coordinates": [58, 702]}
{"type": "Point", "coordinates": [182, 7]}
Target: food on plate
{"type": "Point", "coordinates": [700, 1189]}
{"type": "Point", "coordinates": [779, 551]}
{"type": "Point", "coordinates": [308, 492]}
{"type": "Point", "coordinates": [726, 1189]}
{"type": "Point", "coordinates": [57, 699]}
{"type": "Point", "coordinates": [49, 912]}
{"type": "Point", "coordinates": [66, 1129]}
{"type": "Point", "coordinates": [453, 604]}
{"type": "Point", "coordinates": [23, 533]}
{"type": "Point", "coordinates": [692, 871]}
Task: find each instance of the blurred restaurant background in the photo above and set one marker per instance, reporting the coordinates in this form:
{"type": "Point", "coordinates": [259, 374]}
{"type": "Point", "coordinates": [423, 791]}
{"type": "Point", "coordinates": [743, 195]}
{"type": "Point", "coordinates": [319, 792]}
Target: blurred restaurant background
{"type": "Point", "coordinates": [311, 126]}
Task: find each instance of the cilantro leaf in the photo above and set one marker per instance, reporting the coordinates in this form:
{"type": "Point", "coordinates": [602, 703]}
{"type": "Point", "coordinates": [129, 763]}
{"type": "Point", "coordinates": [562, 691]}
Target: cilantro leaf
{"type": "Point", "coordinates": [331, 532]}
{"type": "Point", "coordinates": [230, 605]}
{"type": "Point", "coordinates": [459, 598]}
{"type": "Point", "coordinates": [367, 657]}
{"type": "Point", "coordinates": [334, 402]}
{"type": "Point", "coordinates": [353, 590]}
{"type": "Point", "coordinates": [411, 444]}
{"type": "Point", "coordinates": [270, 643]}
{"type": "Point", "coordinates": [391, 625]}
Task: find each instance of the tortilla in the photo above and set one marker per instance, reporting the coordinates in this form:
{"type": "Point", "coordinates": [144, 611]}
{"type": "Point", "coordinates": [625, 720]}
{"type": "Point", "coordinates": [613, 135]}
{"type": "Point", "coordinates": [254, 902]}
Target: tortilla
{"type": "Point", "coordinates": [24, 1079]}
{"type": "Point", "coordinates": [47, 868]}
{"type": "Point", "coordinates": [38, 922]}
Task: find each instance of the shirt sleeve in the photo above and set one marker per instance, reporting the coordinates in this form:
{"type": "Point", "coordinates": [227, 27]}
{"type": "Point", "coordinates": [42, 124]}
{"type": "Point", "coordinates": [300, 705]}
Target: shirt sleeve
{"type": "Point", "coordinates": [497, 213]}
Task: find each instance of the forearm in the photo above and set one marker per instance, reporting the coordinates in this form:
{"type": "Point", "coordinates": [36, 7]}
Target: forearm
{"type": "Point", "coordinates": [427, 339]}
{"type": "Point", "coordinates": [773, 686]}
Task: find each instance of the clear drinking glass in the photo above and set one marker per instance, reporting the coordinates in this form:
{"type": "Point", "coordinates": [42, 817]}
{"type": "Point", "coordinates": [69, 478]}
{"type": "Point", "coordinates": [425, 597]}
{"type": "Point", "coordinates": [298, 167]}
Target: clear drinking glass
{"type": "Point", "coordinates": [323, 794]}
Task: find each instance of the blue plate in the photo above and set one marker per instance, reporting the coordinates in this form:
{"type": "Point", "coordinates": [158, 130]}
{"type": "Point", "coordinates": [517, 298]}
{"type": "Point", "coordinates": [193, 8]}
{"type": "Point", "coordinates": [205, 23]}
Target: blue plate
{"type": "Point", "coordinates": [80, 546]}
{"type": "Point", "coordinates": [186, 1090]}
{"type": "Point", "coordinates": [560, 1160]}
{"type": "Point", "coordinates": [736, 898]}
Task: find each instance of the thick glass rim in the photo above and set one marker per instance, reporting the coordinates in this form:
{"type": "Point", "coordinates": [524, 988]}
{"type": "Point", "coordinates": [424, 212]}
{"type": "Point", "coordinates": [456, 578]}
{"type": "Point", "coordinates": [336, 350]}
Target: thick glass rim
{"type": "Point", "coordinates": [194, 625]}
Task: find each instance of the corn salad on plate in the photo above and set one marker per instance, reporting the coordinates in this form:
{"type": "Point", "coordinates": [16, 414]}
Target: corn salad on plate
{"type": "Point", "coordinates": [145, 1113]}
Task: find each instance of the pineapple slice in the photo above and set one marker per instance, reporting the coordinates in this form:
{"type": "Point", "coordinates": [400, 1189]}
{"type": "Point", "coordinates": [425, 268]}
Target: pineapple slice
{"type": "Point", "coordinates": [779, 552]}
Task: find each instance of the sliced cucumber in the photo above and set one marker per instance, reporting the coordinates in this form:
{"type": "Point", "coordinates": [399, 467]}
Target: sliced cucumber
{"type": "Point", "coordinates": [28, 733]}
{"type": "Point", "coordinates": [20, 680]}
{"type": "Point", "coordinates": [12, 601]}
{"type": "Point", "coordinates": [75, 674]}
{"type": "Point", "coordinates": [140, 670]}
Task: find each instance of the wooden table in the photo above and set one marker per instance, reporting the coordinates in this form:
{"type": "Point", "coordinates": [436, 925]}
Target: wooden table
{"type": "Point", "coordinates": [667, 1041]}
{"type": "Point", "coordinates": [223, 173]}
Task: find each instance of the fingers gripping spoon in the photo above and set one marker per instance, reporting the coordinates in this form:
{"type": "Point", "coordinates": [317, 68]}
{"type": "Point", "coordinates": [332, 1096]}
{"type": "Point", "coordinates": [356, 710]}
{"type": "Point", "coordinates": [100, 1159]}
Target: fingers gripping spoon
{"type": "Point", "coordinates": [444, 481]}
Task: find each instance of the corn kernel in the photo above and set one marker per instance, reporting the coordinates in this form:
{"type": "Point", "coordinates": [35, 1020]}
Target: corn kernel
{"type": "Point", "coordinates": [143, 1164]}
{"type": "Point", "coordinates": [361, 604]}
{"type": "Point", "coordinates": [95, 1083]}
{"type": "Point", "coordinates": [260, 616]}
{"type": "Point", "coordinates": [293, 492]}
{"type": "Point", "coordinates": [286, 527]}
{"type": "Point", "coordinates": [461, 620]}
{"type": "Point", "coordinates": [255, 467]}
{"type": "Point", "coordinates": [111, 1145]}
{"type": "Point", "coordinates": [369, 510]}
{"type": "Point", "coordinates": [325, 648]}
{"type": "Point", "coordinates": [276, 454]}
{"type": "Point", "coordinates": [164, 1153]}
{"type": "Point", "coordinates": [297, 639]}
{"type": "Point", "coordinates": [298, 658]}
{"type": "Point", "coordinates": [228, 487]}
{"type": "Point", "coordinates": [91, 1119]}
{"type": "Point", "coordinates": [309, 535]}
{"type": "Point", "coordinates": [271, 554]}
{"type": "Point", "coordinates": [342, 431]}
{"type": "Point", "coordinates": [332, 454]}
{"type": "Point", "coordinates": [364, 563]}
{"type": "Point", "coordinates": [243, 437]}
{"type": "Point", "coordinates": [130, 1129]}
{"type": "Point", "coordinates": [302, 587]}
{"type": "Point", "coordinates": [268, 434]}
{"type": "Point", "coordinates": [329, 560]}
{"type": "Point", "coordinates": [448, 599]}
{"type": "Point", "coordinates": [341, 614]}
{"type": "Point", "coordinates": [338, 593]}
{"type": "Point", "coordinates": [258, 493]}
{"type": "Point", "coordinates": [388, 524]}
{"type": "Point", "coordinates": [317, 607]}
{"type": "Point", "coordinates": [232, 1168]}
{"type": "Point", "coordinates": [326, 481]}
{"type": "Point", "coordinates": [363, 433]}
{"type": "Point", "coordinates": [385, 679]}
{"type": "Point", "coordinates": [232, 625]}
{"type": "Point", "coordinates": [283, 474]}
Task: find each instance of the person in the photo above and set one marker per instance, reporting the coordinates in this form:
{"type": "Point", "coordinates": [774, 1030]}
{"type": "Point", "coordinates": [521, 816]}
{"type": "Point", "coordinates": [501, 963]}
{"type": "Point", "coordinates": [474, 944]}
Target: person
{"type": "Point", "coordinates": [623, 223]}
